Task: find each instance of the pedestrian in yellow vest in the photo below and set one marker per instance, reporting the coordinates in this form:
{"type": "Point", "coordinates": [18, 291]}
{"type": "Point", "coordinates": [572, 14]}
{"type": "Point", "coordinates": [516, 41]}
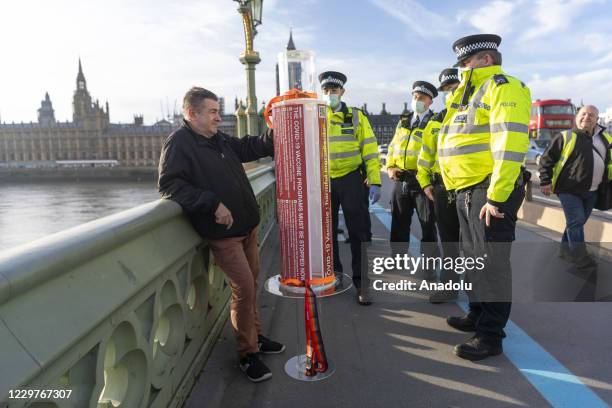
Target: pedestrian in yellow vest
{"type": "Point", "coordinates": [481, 148]}
{"type": "Point", "coordinates": [576, 165]}
{"type": "Point", "coordinates": [352, 143]}
{"type": "Point", "coordinates": [428, 175]}
{"type": "Point", "coordinates": [402, 159]}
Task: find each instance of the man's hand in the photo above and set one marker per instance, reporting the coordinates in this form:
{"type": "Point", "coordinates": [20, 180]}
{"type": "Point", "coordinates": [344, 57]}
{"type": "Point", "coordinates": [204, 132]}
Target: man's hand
{"type": "Point", "coordinates": [546, 190]}
{"type": "Point", "coordinates": [223, 216]}
{"type": "Point", "coordinates": [374, 193]}
{"type": "Point", "coordinates": [429, 192]}
{"type": "Point", "coordinates": [489, 210]}
{"type": "Point", "coordinates": [393, 173]}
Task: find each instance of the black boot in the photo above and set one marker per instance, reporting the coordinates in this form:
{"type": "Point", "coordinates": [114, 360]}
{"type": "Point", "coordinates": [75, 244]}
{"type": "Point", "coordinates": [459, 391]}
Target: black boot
{"type": "Point", "coordinates": [478, 348]}
{"type": "Point", "coordinates": [463, 323]}
{"type": "Point", "coordinates": [363, 299]}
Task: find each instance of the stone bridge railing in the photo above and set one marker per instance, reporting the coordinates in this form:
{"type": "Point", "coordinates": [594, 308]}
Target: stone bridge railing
{"type": "Point", "coordinates": [118, 312]}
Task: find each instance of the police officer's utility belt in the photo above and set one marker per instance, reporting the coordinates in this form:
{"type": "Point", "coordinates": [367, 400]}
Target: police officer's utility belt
{"type": "Point", "coordinates": [409, 182]}
{"type": "Point", "coordinates": [522, 179]}
{"type": "Point", "coordinates": [407, 176]}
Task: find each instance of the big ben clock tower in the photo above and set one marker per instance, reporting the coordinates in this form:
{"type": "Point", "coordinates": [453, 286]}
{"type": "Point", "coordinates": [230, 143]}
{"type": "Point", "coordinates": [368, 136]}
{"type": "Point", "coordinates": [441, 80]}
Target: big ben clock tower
{"type": "Point", "coordinates": [81, 101]}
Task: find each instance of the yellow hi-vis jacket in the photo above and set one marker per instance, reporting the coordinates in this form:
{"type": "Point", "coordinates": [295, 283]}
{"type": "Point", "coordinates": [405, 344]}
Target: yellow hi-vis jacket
{"type": "Point", "coordinates": [427, 163]}
{"type": "Point", "coordinates": [351, 143]}
{"type": "Point", "coordinates": [569, 142]}
{"type": "Point", "coordinates": [489, 136]}
{"type": "Point", "coordinates": [406, 143]}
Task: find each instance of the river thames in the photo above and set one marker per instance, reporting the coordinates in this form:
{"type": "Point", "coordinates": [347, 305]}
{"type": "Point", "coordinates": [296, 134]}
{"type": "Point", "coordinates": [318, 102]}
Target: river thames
{"type": "Point", "coordinates": [29, 211]}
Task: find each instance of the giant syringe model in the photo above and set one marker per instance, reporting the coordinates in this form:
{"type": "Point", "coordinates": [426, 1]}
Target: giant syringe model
{"type": "Point", "coordinates": [302, 181]}
{"type": "Point", "coordinates": [299, 120]}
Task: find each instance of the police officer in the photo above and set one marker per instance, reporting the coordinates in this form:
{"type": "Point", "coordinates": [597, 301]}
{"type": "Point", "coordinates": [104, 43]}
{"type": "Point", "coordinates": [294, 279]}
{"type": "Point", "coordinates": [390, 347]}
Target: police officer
{"type": "Point", "coordinates": [402, 168]}
{"type": "Point", "coordinates": [351, 143]}
{"type": "Point", "coordinates": [430, 180]}
{"type": "Point", "coordinates": [481, 147]}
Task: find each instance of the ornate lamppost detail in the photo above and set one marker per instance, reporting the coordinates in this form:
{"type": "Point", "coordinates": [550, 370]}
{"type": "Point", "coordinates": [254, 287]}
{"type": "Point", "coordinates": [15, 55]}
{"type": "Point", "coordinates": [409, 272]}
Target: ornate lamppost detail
{"type": "Point", "coordinates": [251, 11]}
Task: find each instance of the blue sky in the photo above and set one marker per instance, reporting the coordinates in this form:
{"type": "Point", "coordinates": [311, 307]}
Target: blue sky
{"type": "Point", "coordinates": [141, 54]}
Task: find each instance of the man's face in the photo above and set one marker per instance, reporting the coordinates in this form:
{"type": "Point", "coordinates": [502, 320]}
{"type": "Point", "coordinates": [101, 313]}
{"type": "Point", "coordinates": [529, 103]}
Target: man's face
{"type": "Point", "coordinates": [426, 99]}
{"type": "Point", "coordinates": [450, 87]}
{"type": "Point", "coordinates": [586, 118]}
{"type": "Point", "coordinates": [206, 119]}
{"type": "Point", "coordinates": [477, 61]}
{"type": "Point", "coordinates": [333, 90]}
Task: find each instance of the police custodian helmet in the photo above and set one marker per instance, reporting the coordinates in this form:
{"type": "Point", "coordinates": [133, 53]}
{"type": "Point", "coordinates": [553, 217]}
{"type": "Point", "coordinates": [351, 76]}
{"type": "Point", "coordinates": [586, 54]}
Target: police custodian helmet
{"type": "Point", "coordinates": [426, 88]}
{"type": "Point", "coordinates": [467, 46]}
{"type": "Point", "coordinates": [332, 79]}
{"type": "Point", "coordinates": [448, 76]}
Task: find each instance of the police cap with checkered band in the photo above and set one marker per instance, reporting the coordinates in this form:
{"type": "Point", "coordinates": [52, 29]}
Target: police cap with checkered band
{"type": "Point", "coordinates": [332, 79]}
{"type": "Point", "coordinates": [426, 88]}
{"type": "Point", "coordinates": [467, 46]}
{"type": "Point", "coordinates": [448, 76]}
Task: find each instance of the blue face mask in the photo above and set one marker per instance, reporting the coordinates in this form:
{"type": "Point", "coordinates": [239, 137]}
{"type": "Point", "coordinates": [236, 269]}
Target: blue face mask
{"type": "Point", "coordinates": [418, 106]}
{"type": "Point", "coordinates": [443, 95]}
{"type": "Point", "coordinates": [332, 100]}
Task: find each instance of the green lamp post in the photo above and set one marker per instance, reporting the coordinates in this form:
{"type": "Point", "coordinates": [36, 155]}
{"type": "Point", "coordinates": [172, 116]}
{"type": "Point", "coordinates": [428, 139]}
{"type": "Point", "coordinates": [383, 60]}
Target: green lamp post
{"type": "Point", "coordinates": [251, 11]}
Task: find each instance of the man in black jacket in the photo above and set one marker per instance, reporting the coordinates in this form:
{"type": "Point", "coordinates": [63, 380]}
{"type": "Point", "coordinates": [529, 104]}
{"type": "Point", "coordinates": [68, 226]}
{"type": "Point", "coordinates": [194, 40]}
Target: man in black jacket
{"type": "Point", "coordinates": [201, 169]}
{"type": "Point", "coordinates": [573, 167]}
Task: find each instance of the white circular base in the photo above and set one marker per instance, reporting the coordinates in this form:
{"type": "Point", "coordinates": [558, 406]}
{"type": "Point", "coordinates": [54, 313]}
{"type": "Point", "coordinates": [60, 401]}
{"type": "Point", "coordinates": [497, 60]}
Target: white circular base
{"type": "Point", "coordinates": [295, 367]}
{"type": "Point", "coordinates": [275, 287]}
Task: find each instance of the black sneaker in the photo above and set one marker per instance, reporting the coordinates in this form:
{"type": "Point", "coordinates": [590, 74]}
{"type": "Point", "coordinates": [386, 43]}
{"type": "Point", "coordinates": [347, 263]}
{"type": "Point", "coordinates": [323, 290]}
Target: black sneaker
{"type": "Point", "coordinates": [478, 348]}
{"type": "Point", "coordinates": [254, 369]}
{"type": "Point", "coordinates": [462, 323]}
{"type": "Point", "coordinates": [267, 346]}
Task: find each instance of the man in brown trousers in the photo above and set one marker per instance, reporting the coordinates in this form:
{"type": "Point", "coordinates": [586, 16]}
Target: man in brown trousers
{"type": "Point", "coordinates": [201, 169]}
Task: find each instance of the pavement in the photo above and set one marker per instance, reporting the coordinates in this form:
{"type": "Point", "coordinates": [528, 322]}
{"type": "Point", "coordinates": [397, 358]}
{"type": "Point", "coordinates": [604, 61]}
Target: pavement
{"type": "Point", "coordinates": [399, 353]}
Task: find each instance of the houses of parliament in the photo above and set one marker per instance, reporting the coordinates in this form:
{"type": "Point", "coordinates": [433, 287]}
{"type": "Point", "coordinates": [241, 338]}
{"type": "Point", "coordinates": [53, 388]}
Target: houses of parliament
{"type": "Point", "coordinates": [90, 135]}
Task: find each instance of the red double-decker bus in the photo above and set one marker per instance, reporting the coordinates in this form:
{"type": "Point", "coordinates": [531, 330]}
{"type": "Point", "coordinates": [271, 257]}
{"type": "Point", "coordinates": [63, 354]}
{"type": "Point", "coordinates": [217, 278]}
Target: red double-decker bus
{"type": "Point", "coordinates": [549, 117]}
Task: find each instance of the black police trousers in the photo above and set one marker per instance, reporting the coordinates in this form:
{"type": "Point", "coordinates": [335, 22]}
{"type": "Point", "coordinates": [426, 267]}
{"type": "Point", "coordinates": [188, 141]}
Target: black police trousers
{"type": "Point", "coordinates": [447, 222]}
{"type": "Point", "coordinates": [403, 204]}
{"type": "Point", "coordinates": [491, 294]}
{"type": "Point", "coordinates": [368, 221]}
{"type": "Point", "coordinates": [347, 191]}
